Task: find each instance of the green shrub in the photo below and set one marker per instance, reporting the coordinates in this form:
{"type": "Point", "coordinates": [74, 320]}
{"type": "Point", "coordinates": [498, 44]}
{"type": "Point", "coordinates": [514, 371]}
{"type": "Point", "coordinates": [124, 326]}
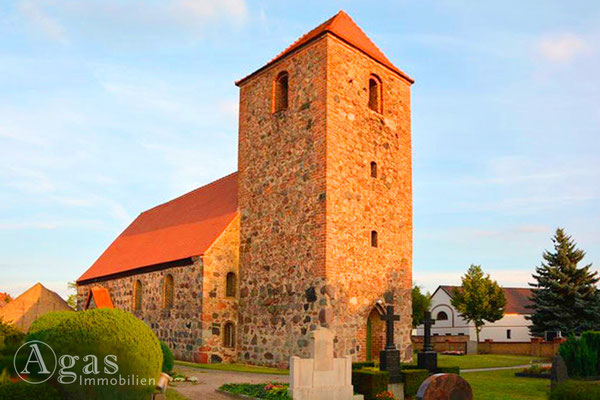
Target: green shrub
{"type": "Point", "coordinates": [23, 390]}
{"type": "Point", "coordinates": [269, 391]}
{"type": "Point", "coordinates": [448, 370]}
{"type": "Point", "coordinates": [370, 382]}
{"type": "Point", "coordinates": [44, 324]}
{"type": "Point", "coordinates": [168, 359]}
{"type": "Point", "coordinates": [576, 390]}
{"type": "Point", "coordinates": [103, 332]}
{"type": "Point", "coordinates": [412, 379]}
{"type": "Point", "coordinates": [580, 358]}
{"type": "Point", "coordinates": [363, 364]}
{"type": "Point", "coordinates": [10, 338]}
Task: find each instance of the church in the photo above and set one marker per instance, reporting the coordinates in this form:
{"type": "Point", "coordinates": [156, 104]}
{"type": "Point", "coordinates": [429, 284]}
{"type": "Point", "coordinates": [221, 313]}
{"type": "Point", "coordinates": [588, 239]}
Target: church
{"type": "Point", "coordinates": [314, 229]}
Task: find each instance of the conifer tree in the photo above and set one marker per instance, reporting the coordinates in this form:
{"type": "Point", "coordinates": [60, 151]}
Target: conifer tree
{"type": "Point", "coordinates": [420, 304]}
{"type": "Point", "coordinates": [479, 299]}
{"type": "Point", "coordinates": [565, 298]}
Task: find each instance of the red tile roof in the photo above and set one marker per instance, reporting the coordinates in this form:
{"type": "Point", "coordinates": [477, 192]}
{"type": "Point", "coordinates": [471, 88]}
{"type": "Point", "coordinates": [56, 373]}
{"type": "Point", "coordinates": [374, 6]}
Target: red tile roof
{"type": "Point", "coordinates": [181, 228]}
{"type": "Point", "coordinates": [100, 296]}
{"type": "Point", "coordinates": [517, 299]}
{"type": "Point", "coordinates": [342, 26]}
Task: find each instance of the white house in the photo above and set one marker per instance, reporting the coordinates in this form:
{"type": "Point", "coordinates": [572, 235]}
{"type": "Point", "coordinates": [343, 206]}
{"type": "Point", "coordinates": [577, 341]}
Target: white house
{"type": "Point", "coordinates": [513, 327]}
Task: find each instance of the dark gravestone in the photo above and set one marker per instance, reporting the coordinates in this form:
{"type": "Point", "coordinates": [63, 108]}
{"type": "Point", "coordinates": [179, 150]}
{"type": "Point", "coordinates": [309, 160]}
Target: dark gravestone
{"type": "Point", "coordinates": [389, 358]}
{"type": "Point", "coordinates": [445, 387]}
{"type": "Point", "coordinates": [559, 371]}
{"type": "Point", "coordinates": [427, 358]}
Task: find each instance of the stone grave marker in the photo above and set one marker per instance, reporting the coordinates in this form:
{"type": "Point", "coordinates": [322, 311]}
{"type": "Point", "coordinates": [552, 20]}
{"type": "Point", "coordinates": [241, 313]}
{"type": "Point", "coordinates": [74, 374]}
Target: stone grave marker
{"type": "Point", "coordinates": [389, 358]}
{"type": "Point", "coordinates": [322, 377]}
{"type": "Point", "coordinates": [445, 387]}
{"type": "Point", "coordinates": [427, 358]}
{"type": "Point", "coordinates": [559, 371]}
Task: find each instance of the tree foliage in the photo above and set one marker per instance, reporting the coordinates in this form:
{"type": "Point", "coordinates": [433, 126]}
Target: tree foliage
{"type": "Point", "coordinates": [479, 299]}
{"type": "Point", "coordinates": [420, 303]}
{"type": "Point", "coordinates": [565, 298]}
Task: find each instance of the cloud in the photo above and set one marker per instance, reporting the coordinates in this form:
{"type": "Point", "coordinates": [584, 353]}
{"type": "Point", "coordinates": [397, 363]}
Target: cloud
{"type": "Point", "coordinates": [562, 48]}
{"type": "Point", "coordinates": [36, 16]}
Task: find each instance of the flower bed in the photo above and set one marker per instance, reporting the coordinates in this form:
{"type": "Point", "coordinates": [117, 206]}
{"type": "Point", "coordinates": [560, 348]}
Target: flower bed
{"type": "Point", "coordinates": [535, 371]}
{"type": "Point", "coordinates": [266, 391]}
{"type": "Point", "coordinates": [453, 353]}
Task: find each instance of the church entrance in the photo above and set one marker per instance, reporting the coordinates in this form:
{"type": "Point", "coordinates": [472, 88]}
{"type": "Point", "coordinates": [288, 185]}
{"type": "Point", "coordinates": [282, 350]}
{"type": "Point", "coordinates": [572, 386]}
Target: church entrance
{"type": "Point", "coordinates": [375, 334]}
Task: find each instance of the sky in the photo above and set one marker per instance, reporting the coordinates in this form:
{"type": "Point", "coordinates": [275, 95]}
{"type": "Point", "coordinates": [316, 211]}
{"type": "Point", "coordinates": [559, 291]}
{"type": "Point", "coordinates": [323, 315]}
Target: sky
{"type": "Point", "coordinates": [109, 107]}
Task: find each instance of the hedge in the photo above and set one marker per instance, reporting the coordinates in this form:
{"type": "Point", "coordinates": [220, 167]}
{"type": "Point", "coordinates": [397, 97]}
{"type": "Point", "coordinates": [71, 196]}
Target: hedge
{"type": "Point", "coordinates": [23, 390]}
{"type": "Point", "coordinates": [576, 390]}
{"type": "Point", "coordinates": [168, 359]}
{"type": "Point", "coordinates": [44, 324]}
{"type": "Point", "coordinates": [412, 379]}
{"type": "Point", "coordinates": [581, 355]}
{"type": "Point", "coordinates": [364, 364]}
{"type": "Point", "coordinates": [370, 382]}
{"type": "Point", "coordinates": [448, 370]}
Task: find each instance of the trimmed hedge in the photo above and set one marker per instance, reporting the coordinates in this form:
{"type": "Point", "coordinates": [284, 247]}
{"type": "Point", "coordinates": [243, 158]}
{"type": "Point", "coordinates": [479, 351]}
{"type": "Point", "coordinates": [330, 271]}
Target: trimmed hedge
{"type": "Point", "coordinates": [370, 382]}
{"type": "Point", "coordinates": [23, 390]}
{"type": "Point", "coordinates": [364, 364]}
{"type": "Point", "coordinates": [576, 390]}
{"type": "Point", "coordinates": [448, 370]}
{"type": "Point", "coordinates": [44, 324]}
{"type": "Point", "coordinates": [168, 359]}
{"type": "Point", "coordinates": [412, 379]}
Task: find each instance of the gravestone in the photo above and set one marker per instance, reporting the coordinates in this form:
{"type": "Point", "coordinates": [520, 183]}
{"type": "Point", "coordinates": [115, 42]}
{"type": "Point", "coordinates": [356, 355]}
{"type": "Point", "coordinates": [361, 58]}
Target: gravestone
{"type": "Point", "coordinates": [445, 387]}
{"type": "Point", "coordinates": [427, 358]}
{"type": "Point", "coordinates": [322, 377]}
{"type": "Point", "coordinates": [389, 358]}
{"type": "Point", "coordinates": [559, 371]}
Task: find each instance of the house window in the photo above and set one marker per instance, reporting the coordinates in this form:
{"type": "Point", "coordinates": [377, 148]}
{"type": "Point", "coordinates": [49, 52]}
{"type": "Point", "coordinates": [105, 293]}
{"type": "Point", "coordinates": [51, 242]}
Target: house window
{"type": "Point", "coordinates": [168, 290]}
{"type": "Point", "coordinates": [461, 334]}
{"type": "Point", "coordinates": [229, 335]}
{"type": "Point", "coordinates": [373, 238]}
{"type": "Point", "coordinates": [508, 334]}
{"type": "Point", "coordinates": [137, 295]}
{"type": "Point", "coordinates": [448, 334]}
{"type": "Point", "coordinates": [373, 169]}
{"type": "Point", "coordinates": [375, 93]}
{"type": "Point", "coordinates": [230, 285]}
{"type": "Point", "coordinates": [442, 316]}
{"type": "Point", "coordinates": [280, 92]}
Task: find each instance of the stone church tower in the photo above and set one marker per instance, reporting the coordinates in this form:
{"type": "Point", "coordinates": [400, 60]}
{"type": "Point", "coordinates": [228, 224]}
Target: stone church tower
{"type": "Point", "coordinates": [325, 197]}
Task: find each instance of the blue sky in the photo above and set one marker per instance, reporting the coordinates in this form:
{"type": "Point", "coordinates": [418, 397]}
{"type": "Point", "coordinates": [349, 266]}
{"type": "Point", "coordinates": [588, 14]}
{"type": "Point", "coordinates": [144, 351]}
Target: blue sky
{"type": "Point", "coordinates": [110, 107]}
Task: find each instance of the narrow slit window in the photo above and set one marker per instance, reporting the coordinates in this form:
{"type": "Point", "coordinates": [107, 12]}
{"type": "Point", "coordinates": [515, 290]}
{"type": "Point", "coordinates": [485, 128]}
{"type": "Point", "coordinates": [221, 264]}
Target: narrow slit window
{"type": "Point", "coordinates": [137, 295]}
{"type": "Point", "coordinates": [373, 169]}
{"type": "Point", "coordinates": [375, 93]}
{"type": "Point", "coordinates": [168, 292]}
{"type": "Point", "coordinates": [280, 92]}
{"type": "Point", "coordinates": [373, 238]}
{"type": "Point", "coordinates": [229, 335]}
{"type": "Point", "coordinates": [230, 285]}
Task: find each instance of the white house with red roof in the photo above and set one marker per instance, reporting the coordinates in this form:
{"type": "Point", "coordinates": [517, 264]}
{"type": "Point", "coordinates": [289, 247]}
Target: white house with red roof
{"type": "Point", "coordinates": [513, 327]}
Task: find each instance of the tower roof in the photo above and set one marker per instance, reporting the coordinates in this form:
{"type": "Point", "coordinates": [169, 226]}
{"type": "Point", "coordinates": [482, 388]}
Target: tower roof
{"type": "Point", "coordinates": [342, 26]}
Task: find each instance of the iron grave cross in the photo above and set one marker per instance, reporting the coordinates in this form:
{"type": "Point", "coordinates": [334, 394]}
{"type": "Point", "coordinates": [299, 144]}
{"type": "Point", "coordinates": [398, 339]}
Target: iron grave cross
{"type": "Point", "coordinates": [389, 319]}
{"type": "Point", "coordinates": [427, 322]}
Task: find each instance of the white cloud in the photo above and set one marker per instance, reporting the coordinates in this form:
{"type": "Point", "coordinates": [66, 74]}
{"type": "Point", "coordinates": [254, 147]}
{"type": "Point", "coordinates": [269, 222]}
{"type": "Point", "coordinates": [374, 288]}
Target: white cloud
{"type": "Point", "coordinates": [562, 48]}
{"type": "Point", "coordinates": [36, 16]}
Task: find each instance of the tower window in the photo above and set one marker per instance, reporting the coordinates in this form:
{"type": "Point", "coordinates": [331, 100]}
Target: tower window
{"type": "Point", "coordinates": [168, 291]}
{"type": "Point", "coordinates": [373, 169]}
{"type": "Point", "coordinates": [230, 285]}
{"type": "Point", "coordinates": [280, 92]}
{"type": "Point", "coordinates": [373, 238]}
{"type": "Point", "coordinates": [137, 295]}
{"type": "Point", "coordinates": [442, 316]}
{"type": "Point", "coordinates": [229, 335]}
{"type": "Point", "coordinates": [375, 93]}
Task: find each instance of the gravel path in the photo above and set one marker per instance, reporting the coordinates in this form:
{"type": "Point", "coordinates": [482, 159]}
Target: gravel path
{"type": "Point", "coordinates": [210, 380]}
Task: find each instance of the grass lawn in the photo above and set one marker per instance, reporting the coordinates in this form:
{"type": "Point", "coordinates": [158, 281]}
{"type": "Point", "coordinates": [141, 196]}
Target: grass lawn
{"type": "Point", "coordinates": [235, 368]}
{"type": "Point", "coordinates": [172, 394]}
{"type": "Point", "coordinates": [504, 385]}
{"type": "Point", "coordinates": [482, 360]}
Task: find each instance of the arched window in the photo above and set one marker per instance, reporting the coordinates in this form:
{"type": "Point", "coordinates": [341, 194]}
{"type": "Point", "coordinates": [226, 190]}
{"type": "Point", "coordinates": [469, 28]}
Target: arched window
{"type": "Point", "coordinates": [373, 169]}
{"type": "Point", "coordinates": [375, 93]}
{"type": "Point", "coordinates": [442, 316]}
{"type": "Point", "coordinates": [280, 92]}
{"type": "Point", "coordinates": [229, 335]}
{"type": "Point", "coordinates": [168, 291]}
{"type": "Point", "coordinates": [373, 238]}
{"type": "Point", "coordinates": [137, 295]}
{"type": "Point", "coordinates": [230, 285]}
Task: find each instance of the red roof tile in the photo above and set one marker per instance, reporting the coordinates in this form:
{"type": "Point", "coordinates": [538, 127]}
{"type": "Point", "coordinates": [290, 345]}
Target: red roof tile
{"type": "Point", "coordinates": [100, 296]}
{"type": "Point", "coordinates": [181, 228]}
{"type": "Point", "coordinates": [517, 299]}
{"type": "Point", "coordinates": [342, 26]}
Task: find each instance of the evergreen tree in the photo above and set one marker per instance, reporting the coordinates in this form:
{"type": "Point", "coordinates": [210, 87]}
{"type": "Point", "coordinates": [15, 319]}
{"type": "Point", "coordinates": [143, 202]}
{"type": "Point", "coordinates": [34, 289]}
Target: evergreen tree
{"type": "Point", "coordinates": [565, 298]}
{"type": "Point", "coordinates": [479, 299]}
{"type": "Point", "coordinates": [420, 304]}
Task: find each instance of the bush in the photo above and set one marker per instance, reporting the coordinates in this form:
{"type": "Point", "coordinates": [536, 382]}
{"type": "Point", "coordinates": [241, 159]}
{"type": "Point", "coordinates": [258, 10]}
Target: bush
{"type": "Point", "coordinates": [23, 390]}
{"type": "Point", "coordinates": [576, 390]}
{"type": "Point", "coordinates": [168, 359]}
{"type": "Point", "coordinates": [580, 358]}
{"type": "Point", "coordinates": [10, 338]}
{"type": "Point", "coordinates": [44, 324]}
{"type": "Point", "coordinates": [370, 382]}
{"type": "Point", "coordinates": [269, 391]}
{"type": "Point", "coordinates": [364, 364]}
{"type": "Point", "coordinates": [103, 332]}
{"type": "Point", "coordinates": [412, 379]}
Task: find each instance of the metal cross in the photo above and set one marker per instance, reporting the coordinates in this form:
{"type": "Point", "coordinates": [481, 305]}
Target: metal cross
{"type": "Point", "coordinates": [389, 319]}
{"type": "Point", "coordinates": [427, 322]}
